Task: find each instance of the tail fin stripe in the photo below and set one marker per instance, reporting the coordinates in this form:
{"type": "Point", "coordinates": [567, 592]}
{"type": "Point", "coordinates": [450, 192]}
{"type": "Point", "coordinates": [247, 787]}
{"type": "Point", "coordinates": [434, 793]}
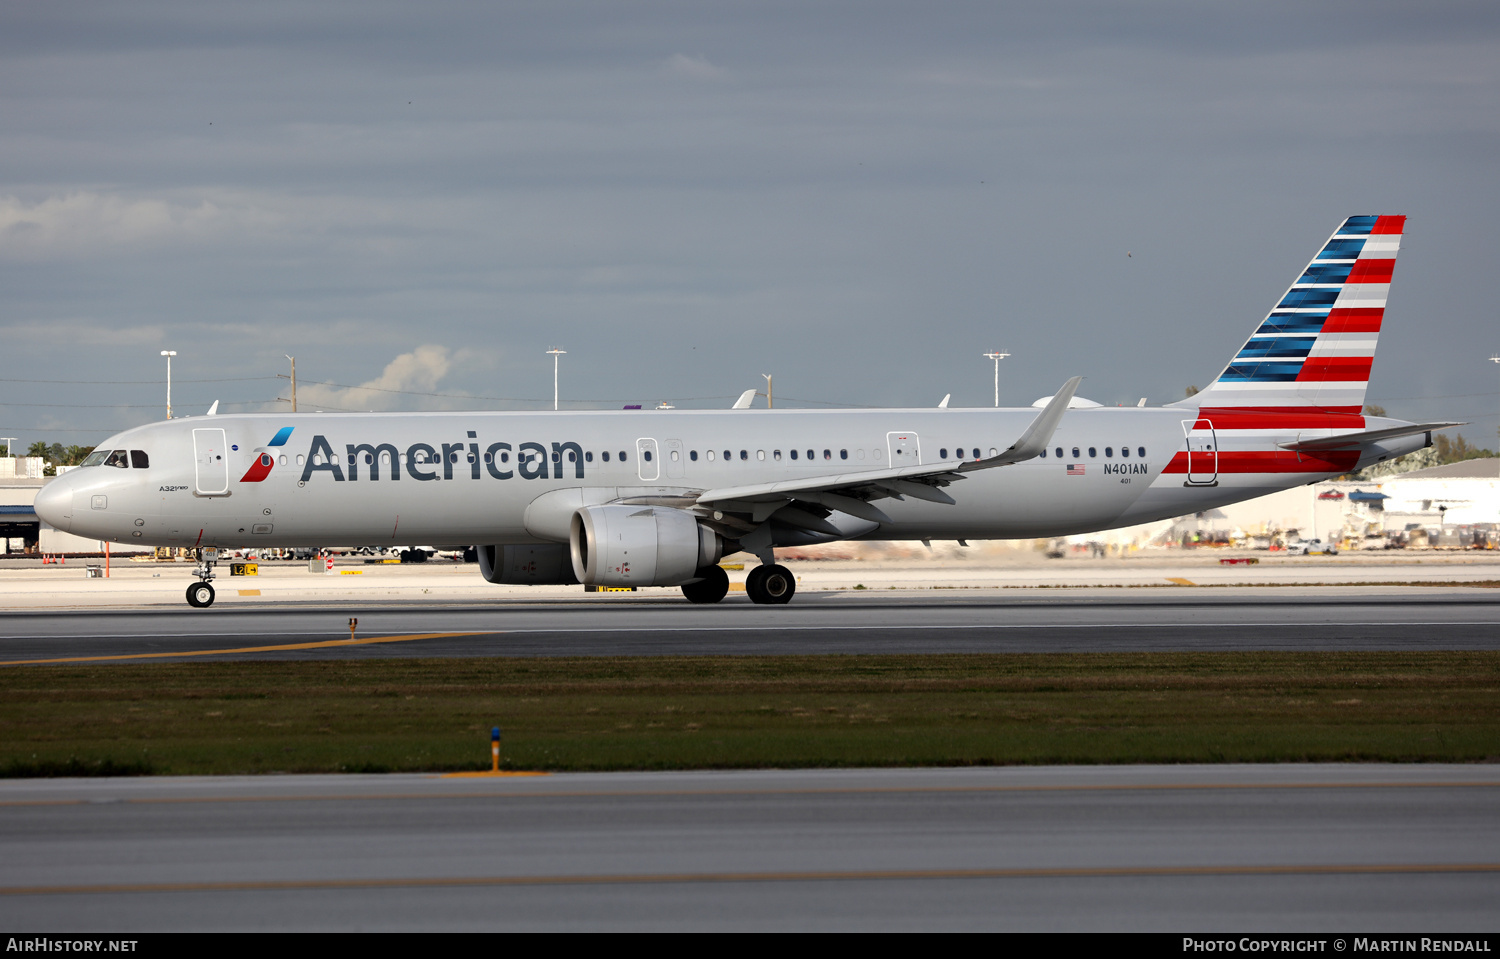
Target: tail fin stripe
{"type": "Point", "coordinates": [1372, 271]}
{"type": "Point", "coordinates": [1358, 320]}
{"type": "Point", "coordinates": [1343, 369]}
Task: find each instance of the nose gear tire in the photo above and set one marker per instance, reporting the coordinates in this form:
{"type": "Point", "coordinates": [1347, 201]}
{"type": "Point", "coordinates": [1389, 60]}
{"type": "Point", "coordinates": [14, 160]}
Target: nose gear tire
{"type": "Point", "coordinates": [200, 595]}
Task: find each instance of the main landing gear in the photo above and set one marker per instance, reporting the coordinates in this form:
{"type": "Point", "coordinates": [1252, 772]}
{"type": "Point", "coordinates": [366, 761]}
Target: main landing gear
{"type": "Point", "coordinates": [766, 585]}
{"type": "Point", "coordinates": [770, 585]}
{"type": "Point", "coordinates": [200, 595]}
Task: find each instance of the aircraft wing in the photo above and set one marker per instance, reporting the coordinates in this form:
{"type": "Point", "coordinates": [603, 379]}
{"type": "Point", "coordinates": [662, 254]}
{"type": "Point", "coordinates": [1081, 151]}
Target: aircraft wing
{"type": "Point", "coordinates": [1364, 438]}
{"type": "Point", "coordinates": [851, 492]}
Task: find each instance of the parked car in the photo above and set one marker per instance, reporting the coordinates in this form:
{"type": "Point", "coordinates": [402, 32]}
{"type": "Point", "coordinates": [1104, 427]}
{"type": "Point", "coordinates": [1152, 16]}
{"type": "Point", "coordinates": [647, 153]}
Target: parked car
{"type": "Point", "coordinates": [1311, 547]}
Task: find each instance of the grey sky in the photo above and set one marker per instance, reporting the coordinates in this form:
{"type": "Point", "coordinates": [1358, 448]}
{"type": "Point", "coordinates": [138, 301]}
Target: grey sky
{"type": "Point", "coordinates": [860, 198]}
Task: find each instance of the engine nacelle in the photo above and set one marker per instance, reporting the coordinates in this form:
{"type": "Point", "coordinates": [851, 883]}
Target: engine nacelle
{"type": "Point", "coordinates": [640, 546]}
{"type": "Point", "coordinates": [548, 565]}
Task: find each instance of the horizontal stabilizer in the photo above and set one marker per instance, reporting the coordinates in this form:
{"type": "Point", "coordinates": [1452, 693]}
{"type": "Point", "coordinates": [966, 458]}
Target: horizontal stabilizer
{"type": "Point", "coordinates": [1365, 438]}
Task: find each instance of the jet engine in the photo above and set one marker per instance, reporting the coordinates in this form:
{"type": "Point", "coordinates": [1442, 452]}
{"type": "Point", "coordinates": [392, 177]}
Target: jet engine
{"type": "Point", "coordinates": [547, 565]}
{"type": "Point", "coordinates": [640, 546]}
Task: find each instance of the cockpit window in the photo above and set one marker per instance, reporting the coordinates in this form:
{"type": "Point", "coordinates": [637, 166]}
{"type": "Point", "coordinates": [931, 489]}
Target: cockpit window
{"type": "Point", "coordinates": [95, 458]}
{"type": "Point", "coordinates": [140, 460]}
{"type": "Point", "coordinates": [118, 458]}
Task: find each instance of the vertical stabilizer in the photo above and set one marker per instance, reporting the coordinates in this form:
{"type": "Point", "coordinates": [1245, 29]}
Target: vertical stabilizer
{"type": "Point", "coordinates": [1315, 349]}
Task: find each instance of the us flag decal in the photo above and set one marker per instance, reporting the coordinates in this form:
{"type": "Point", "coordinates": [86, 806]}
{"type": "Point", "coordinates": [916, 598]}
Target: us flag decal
{"type": "Point", "coordinates": [1075, 469]}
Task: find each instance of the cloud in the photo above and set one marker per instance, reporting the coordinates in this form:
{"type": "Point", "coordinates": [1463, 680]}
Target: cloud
{"type": "Point", "coordinates": [84, 221]}
{"type": "Point", "coordinates": [419, 371]}
{"type": "Point", "coordinates": [696, 68]}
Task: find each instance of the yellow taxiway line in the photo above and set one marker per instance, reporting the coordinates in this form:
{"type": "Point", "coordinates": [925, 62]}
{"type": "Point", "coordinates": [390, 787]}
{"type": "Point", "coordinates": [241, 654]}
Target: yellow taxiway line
{"type": "Point", "coordinates": [325, 644]}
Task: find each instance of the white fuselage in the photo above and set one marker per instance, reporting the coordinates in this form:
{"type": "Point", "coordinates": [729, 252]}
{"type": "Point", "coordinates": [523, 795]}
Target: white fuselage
{"type": "Point", "coordinates": [483, 477]}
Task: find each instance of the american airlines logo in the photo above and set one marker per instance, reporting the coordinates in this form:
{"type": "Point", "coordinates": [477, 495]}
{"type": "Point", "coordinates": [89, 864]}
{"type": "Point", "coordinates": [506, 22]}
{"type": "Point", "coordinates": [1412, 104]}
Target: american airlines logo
{"type": "Point", "coordinates": [261, 468]}
{"type": "Point", "coordinates": [426, 461]}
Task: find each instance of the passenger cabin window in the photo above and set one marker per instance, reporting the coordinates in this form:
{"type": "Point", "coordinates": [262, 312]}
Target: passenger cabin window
{"type": "Point", "coordinates": [1092, 453]}
{"type": "Point", "coordinates": [794, 454]}
{"type": "Point", "coordinates": [604, 456]}
{"type": "Point", "coordinates": [843, 454]}
{"type": "Point", "coordinates": [943, 453]}
{"type": "Point", "coordinates": [646, 454]}
{"type": "Point", "coordinates": [744, 454]}
{"type": "Point", "coordinates": [976, 452]}
{"type": "Point", "coordinates": [1075, 452]}
{"type": "Point", "coordinates": [828, 454]}
{"type": "Point", "coordinates": [118, 458]}
{"type": "Point", "coordinates": [1109, 451]}
{"type": "Point", "coordinates": [776, 455]}
{"type": "Point", "coordinates": [1059, 452]}
{"type": "Point", "coordinates": [1124, 451]}
{"type": "Point", "coordinates": [623, 457]}
{"type": "Point", "coordinates": [760, 455]}
{"type": "Point", "coordinates": [710, 456]}
{"type": "Point", "coordinates": [139, 459]}
{"type": "Point", "coordinates": [693, 455]}
{"type": "Point", "coordinates": [1044, 454]}
{"type": "Point", "coordinates": [1141, 450]}
{"type": "Point", "coordinates": [676, 456]}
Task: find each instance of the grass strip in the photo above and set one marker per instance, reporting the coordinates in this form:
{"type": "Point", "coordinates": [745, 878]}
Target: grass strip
{"type": "Point", "coordinates": [601, 713]}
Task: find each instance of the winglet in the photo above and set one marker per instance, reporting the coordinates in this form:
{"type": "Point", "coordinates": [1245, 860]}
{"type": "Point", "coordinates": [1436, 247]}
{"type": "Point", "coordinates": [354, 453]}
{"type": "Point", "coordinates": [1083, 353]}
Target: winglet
{"type": "Point", "coordinates": [743, 403]}
{"type": "Point", "coordinates": [944, 404]}
{"type": "Point", "coordinates": [214, 410]}
{"type": "Point", "coordinates": [1037, 435]}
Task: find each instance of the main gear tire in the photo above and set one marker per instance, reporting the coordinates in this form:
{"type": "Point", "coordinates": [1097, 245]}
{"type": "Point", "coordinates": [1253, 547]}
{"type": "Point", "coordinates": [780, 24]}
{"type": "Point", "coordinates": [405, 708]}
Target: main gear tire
{"type": "Point", "coordinates": [712, 587]}
{"type": "Point", "coordinates": [771, 585]}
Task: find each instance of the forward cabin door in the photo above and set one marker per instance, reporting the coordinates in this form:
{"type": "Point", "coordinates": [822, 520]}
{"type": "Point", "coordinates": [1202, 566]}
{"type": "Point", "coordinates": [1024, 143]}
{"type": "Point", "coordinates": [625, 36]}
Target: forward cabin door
{"type": "Point", "coordinates": [210, 452]}
{"type": "Point", "coordinates": [647, 459]}
{"type": "Point", "coordinates": [1202, 452]}
{"type": "Point", "coordinates": [904, 449]}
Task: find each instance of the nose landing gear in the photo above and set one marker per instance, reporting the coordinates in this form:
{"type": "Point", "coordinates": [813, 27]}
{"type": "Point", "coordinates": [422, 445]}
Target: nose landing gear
{"type": "Point", "coordinates": [200, 595]}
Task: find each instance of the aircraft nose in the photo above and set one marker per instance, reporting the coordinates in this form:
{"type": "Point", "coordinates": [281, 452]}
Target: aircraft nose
{"type": "Point", "coordinates": [54, 504]}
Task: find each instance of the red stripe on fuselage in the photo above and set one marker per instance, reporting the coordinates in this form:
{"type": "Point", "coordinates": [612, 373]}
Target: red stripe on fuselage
{"type": "Point", "coordinates": [1269, 461]}
{"type": "Point", "coordinates": [1362, 319]}
{"type": "Point", "coordinates": [1287, 418]}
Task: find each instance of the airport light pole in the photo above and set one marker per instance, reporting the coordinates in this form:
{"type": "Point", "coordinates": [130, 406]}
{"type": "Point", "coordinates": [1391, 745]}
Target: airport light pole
{"type": "Point", "coordinates": [169, 354]}
{"type": "Point", "coordinates": [555, 353]}
{"type": "Point", "coordinates": [769, 404]}
{"type": "Point", "coordinates": [997, 357]}
{"type": "Point", "coordinates": [294, 381]}
{"type": "Point", "coordinates": [10, 445]}
{"type": "Point", "coordinates": [1496, 359]}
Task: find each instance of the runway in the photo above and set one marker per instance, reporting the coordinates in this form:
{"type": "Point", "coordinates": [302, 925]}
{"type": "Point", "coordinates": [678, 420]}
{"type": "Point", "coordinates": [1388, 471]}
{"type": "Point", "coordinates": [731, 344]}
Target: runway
{"type": "Point", "coordinates": [1078, 620]}
{"type": "Point", "coordinates": [1351, 848]}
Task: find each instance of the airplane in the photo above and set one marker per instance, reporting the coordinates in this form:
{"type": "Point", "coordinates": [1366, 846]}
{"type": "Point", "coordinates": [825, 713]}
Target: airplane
{"type": "Point", "coordinates": [659, 497]}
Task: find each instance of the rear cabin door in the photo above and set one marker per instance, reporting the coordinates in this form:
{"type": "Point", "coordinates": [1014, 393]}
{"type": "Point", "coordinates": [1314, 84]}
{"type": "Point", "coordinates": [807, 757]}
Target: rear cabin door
{"type": "Point", "coordinates": [1202, 452]}
{"type": "Point", "coordinates": [904, 449]}
{"type": "Point", "coordinates": [647, 459]}
{"type": "Point", "coordinates": [211, 454]}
